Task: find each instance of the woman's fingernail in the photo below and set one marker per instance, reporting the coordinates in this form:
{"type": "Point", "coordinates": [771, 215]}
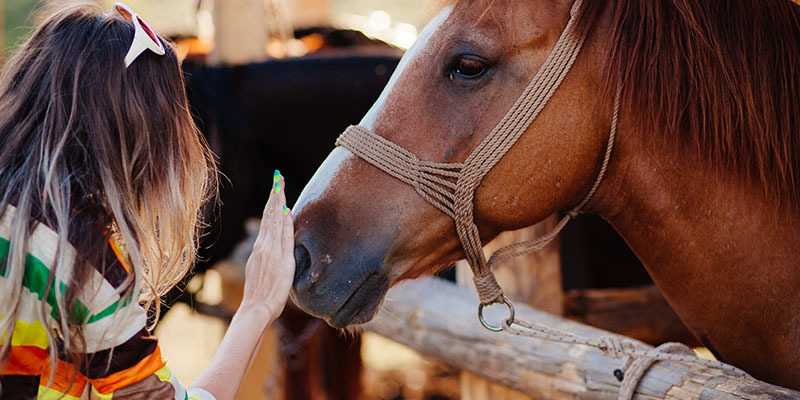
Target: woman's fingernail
{"type": "Point", "coordinates": [277, 188]}
{"type": "Point", "coordinates": [277, 176]}
{"type": "Point", "coordinates": [285, 210]}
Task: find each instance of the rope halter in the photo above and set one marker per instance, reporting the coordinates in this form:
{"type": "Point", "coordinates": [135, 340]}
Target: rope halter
{"type": "Point", "coordinates": [451, 187]}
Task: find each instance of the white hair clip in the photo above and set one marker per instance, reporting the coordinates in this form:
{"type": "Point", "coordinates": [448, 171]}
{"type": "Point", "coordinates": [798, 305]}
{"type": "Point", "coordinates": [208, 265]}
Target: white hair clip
{"type": "Point", "coordinates": [143, 38]}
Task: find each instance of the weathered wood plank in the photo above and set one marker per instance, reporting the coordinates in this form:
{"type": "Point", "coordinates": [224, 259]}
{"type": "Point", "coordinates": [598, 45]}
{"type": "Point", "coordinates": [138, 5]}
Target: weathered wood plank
{"type": "Point", "coordinates": [438, 319]}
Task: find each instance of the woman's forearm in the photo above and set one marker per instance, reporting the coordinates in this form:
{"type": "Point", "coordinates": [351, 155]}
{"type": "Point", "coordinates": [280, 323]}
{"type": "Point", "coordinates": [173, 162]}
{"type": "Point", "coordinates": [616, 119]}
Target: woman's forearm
{"type": "Point", "coordinates": [224, 375]}
{"type": "Point", "coordinates": [268, 279]}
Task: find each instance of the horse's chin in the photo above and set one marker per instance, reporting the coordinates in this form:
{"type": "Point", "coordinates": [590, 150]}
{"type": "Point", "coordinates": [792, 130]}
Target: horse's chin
{"type": "Point", "coordinates": [362, 305]}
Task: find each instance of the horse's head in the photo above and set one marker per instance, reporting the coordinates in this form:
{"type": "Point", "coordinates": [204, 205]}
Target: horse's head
{"type": "Point", "coordinates": [360, 230]}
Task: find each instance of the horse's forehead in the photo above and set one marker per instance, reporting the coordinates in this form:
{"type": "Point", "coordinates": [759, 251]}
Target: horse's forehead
{"type": "Point", "coordinates": [484, 7]}
{"type": "Point", "coordinates": [510, 20]}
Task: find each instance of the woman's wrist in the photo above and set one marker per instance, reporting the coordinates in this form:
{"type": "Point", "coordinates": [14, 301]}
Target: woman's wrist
{"type": "Point", "coordinates": [255, 312]}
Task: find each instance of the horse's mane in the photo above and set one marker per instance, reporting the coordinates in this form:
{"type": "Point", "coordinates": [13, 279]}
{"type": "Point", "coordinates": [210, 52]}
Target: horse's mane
{"type": "Point", "coordinates": [719, 78]}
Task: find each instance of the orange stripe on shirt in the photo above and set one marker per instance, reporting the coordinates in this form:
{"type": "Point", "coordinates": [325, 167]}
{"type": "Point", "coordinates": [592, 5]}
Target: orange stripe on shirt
{"type": "Point", "coordinates": [25, 360]}
{"type": "Point", "coordinates": [62, 378]}
{"type": "Point", "coordinates": [144, 368]}
{"type": "Point", "coordinates": [33, 361]}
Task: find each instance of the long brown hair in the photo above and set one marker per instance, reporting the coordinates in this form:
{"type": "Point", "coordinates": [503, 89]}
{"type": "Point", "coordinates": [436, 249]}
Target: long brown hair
{"type": "Point", "coordinates": [88, 147]}
{"type": "Point", "coordinates": [718, 78]}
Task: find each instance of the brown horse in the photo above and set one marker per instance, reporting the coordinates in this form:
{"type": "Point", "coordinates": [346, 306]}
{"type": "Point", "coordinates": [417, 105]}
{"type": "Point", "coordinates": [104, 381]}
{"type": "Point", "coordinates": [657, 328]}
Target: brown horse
{"type": "Point", "coordinates": [702, 184]}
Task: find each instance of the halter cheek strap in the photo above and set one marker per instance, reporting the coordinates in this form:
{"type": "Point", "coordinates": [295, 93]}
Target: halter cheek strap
{"type": "Point", "coordinates": [451, 187]}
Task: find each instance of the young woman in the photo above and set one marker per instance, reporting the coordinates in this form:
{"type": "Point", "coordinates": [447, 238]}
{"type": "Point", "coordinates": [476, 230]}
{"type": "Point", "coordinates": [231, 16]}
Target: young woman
{"type": "Point", "coordinates": [102, 177]}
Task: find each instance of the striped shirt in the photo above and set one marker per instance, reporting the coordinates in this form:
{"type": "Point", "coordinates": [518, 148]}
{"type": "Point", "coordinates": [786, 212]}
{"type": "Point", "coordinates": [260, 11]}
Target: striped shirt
{"type": "Point", "coordinates": [114, 328]}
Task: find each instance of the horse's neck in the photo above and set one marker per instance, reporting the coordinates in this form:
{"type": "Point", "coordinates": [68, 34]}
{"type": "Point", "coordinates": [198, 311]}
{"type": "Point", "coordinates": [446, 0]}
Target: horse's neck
{"type": "Point", "coordinates": [726, 260]}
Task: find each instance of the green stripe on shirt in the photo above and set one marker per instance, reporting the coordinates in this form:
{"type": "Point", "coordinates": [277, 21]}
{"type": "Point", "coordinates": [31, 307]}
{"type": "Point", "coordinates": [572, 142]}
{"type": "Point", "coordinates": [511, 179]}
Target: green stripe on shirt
{"type": "Point", "coordinates": [35, 280]}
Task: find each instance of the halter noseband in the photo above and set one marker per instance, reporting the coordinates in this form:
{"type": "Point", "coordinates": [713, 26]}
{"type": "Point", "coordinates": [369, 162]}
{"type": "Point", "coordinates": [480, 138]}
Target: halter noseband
{"type": "Point", "coordinates": [451, 187]}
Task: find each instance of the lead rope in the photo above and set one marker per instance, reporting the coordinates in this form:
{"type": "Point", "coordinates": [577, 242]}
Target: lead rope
{"type": "Point", "coordinates": [636, 360]}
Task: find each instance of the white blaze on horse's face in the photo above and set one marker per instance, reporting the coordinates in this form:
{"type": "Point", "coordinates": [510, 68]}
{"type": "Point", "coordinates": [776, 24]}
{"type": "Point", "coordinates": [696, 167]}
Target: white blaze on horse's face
{"type": "Point", "coordinates": [325, 177]}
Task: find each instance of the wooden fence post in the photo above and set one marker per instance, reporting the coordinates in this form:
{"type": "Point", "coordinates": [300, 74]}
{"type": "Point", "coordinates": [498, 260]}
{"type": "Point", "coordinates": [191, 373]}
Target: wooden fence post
{"type": "Point", "coordinates": [534, 279]}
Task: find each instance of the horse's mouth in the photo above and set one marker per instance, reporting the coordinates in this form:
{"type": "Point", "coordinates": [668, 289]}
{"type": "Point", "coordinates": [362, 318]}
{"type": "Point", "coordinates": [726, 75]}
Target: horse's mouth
{"type": "Point", "coordinates": [363, 303]}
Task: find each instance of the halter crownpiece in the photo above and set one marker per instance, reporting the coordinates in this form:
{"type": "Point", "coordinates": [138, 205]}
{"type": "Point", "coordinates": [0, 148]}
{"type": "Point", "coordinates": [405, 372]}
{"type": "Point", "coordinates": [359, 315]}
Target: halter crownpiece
{"type": "Point", "coordinates": [451, 187]}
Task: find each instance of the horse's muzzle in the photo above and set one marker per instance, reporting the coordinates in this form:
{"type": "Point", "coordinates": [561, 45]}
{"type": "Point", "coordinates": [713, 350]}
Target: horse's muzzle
{"type": "Point", "coordinates": [343, 292]}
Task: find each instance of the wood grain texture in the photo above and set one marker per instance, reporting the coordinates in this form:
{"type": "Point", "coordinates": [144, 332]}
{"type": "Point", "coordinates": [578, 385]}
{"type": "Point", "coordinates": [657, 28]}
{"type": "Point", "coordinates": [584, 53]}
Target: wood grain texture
{"type": "Point", "coordinates": [439, 320]}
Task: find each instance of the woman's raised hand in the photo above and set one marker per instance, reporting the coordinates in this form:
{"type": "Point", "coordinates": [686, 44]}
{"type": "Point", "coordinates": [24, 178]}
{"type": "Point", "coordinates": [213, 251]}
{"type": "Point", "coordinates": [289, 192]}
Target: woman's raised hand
{"type": "Point", "coordinates": [268, 278]}
{"type": "Point", "coordinates": [270, 268]}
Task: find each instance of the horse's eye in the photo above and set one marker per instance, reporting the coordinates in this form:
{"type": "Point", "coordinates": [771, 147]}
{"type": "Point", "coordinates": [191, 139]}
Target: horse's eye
{"type": "Point", "coordinates": [469, 67]}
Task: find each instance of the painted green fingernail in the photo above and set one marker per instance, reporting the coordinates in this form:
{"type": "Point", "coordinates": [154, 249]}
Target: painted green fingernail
{"type": "Point", "coordinates": [285, 210]}
{"type": "Point", "coordinates": [277, 176]}
{"type": "Point", "coordinates": [277, 188]}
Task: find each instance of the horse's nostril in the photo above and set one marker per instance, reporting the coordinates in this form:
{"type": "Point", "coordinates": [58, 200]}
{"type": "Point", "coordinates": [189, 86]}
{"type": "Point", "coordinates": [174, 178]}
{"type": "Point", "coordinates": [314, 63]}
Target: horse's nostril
{"type": "Point", "coordinates": [302, 261]}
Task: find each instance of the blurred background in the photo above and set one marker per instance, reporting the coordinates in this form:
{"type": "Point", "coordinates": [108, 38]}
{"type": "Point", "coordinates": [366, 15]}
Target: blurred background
{"type": "Point", "coordinates": [390, 20]}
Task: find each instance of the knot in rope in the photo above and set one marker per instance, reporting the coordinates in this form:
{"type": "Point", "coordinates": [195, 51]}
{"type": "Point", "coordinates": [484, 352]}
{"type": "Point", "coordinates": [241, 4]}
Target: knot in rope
{"type": "Point", "coordinates": [614, 347]}
{"type": "Point", "coordinates": [573, 213]}
{"type": "Point", "coordinates": [489, 291]}
{"type": "Point", "coordinates": [634, 368]}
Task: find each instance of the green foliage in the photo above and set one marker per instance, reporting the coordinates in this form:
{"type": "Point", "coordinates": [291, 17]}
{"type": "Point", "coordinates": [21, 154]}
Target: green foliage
{"type": "Point", "coordinates": [17, 21]}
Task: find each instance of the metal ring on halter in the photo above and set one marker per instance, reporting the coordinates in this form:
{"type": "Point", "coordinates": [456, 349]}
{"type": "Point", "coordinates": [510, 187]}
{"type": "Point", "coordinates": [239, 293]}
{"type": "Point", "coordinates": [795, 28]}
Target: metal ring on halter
{"type": "Point", "coordinates": [508, 321]}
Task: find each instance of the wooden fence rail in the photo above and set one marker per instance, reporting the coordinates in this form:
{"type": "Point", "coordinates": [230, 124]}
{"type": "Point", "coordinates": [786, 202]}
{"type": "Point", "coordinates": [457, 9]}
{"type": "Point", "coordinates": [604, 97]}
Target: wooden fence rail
{"type": "Point", "coordinates": [439, 320]}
